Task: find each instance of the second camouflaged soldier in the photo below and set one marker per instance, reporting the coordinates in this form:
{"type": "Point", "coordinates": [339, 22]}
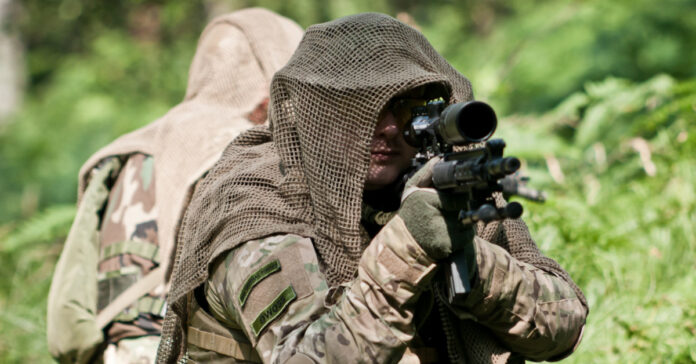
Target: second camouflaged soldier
{"type": "Point", "coordinates": [107, 294]}
{"type": "Point", "coordinates": [298, 246]}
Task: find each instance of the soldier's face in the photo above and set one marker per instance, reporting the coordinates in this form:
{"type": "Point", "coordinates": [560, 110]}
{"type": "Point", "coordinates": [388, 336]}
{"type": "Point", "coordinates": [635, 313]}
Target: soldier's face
{"type": "Point", "coordinates": [390, 155]}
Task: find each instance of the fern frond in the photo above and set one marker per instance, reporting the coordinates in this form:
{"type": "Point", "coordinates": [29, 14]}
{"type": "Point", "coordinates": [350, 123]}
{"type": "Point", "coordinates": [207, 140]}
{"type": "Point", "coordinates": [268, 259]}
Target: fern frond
{"type": "Point", "coordinates": [45, 226]}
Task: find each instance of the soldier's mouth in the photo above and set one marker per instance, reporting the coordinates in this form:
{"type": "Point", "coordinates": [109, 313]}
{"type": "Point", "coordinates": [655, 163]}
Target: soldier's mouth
{"type": "Point", "coordinates": [384, 154]}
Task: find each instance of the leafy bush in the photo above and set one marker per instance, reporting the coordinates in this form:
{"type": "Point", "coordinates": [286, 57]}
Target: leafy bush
{"type": "Point", "coordinates": [621, 211]}
{"type": "Point", "coordinates": [119, 86]}
{"type": "Point", "coordinates": [527, 56]}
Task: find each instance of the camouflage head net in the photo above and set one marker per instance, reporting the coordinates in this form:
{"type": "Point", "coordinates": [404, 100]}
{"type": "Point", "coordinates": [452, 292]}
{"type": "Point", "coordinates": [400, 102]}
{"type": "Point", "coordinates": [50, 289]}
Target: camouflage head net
{"type": "Point", "coordinates": [305, 175]}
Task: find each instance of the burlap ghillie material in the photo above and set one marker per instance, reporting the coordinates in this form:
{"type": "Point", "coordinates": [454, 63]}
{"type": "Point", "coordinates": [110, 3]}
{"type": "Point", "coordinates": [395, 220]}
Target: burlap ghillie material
{"type": "Point", "coordinates": [306, 174]}
{"type": "Point", "coordinates": [229, 77]}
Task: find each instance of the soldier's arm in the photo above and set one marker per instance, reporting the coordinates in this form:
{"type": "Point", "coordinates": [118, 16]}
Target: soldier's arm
{"type": "Point", "coordinates": [533, 312]}
{"type": "Point", "coordinates": [273, 291]}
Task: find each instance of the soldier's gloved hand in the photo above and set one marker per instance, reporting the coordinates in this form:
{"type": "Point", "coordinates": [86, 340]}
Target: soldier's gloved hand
{"type": "Point", "coordinates": [431, 217]}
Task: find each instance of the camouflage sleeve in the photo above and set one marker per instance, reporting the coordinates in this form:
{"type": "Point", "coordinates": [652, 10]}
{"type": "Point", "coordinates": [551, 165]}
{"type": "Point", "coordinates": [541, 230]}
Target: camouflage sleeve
{"type": "Point", "coordinates": [535, 313]}
{"type": "Point", "coordinates": [130, 250]}
{"type": "Point", "coordinates": [272, 290]}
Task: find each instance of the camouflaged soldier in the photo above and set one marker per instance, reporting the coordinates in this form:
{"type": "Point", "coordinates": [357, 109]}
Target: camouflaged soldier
{"type": "Point", "coordinates": [133, 192]}
{"type": "Point", "coordinates": [302, 246]}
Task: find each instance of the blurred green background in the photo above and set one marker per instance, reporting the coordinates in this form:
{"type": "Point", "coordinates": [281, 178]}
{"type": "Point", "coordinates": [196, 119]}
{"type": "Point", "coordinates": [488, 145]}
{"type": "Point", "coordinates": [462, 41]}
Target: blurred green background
{"type": "Point", "coordinates": [597, 97]}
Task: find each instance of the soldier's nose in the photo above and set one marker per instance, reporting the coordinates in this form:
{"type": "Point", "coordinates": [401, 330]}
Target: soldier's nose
{"type": "Point", "coordinates": [387, 127]}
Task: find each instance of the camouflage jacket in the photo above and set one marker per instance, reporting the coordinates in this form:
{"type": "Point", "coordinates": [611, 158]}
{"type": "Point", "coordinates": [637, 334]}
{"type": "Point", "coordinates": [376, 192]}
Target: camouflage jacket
{"type": "Point", "coordinates": [272, 294]}
{"type": "Point", "coordinates": [111, 246]}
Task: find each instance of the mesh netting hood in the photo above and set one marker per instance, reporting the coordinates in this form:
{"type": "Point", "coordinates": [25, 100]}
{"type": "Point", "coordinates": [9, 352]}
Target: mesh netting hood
{"type": "Point", "coordinates": [325, 106]}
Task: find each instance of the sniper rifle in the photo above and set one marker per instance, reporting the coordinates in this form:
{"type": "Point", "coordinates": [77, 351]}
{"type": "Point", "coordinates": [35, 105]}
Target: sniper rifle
{"type": "Point", "coordinates": [474, 173]}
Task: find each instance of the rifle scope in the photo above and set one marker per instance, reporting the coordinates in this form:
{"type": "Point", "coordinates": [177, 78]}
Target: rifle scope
{"type": "Point", "coordinates": [456, 124]}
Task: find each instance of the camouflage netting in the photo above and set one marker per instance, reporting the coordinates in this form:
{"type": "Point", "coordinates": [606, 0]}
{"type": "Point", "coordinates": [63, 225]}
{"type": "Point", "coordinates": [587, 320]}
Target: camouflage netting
{"type": "Point", "coordinates": [306, 174]}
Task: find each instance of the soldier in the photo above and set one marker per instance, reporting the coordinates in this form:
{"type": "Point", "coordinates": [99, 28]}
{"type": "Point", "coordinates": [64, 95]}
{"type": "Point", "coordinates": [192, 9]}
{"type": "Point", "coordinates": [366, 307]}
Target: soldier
{"type": "Point", "coordinates": [301, 245]}
{"type": "Point", "coordinates": [133, 192]}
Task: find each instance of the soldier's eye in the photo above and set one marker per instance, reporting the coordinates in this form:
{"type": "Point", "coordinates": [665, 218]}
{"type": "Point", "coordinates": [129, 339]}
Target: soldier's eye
{"type": "Point", "coordinates": [402, 109]}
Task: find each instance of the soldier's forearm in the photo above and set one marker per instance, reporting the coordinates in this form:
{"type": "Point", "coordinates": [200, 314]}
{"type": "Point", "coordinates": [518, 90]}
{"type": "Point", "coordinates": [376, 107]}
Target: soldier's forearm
{"type": "Point", "coordinates": [392, 274]}
{"type": "Point", "coordinates": [535, 313]}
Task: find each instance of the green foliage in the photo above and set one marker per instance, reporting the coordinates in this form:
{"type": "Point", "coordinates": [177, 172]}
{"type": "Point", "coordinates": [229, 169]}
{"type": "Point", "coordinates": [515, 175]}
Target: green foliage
{"type": "Point", "coordinates": [620, 222]}
{"type": "Point", "coordinates": [27, 257]}
{"type": "Point", "coordinates": [112, 84]}
{"type": "Point", "coordinates": [622, 219]}
{"type": "Point", "coordinates": [40, 228]}
{"type": "Point", "coordinates": [526, 56]}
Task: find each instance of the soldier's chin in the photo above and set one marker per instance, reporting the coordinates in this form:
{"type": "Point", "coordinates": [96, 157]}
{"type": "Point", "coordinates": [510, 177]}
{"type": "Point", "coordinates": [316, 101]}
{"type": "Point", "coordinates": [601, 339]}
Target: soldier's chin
{"type": "Point", "coordinates": [380, 177]}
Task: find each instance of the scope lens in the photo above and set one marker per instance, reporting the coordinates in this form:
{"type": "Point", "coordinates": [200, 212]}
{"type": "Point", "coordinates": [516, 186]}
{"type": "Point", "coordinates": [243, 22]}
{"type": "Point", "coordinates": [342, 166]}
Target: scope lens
{"type": "Point", "coordinates": [478, 122]}
{"type": "Point", "coordinates": [469, 122]}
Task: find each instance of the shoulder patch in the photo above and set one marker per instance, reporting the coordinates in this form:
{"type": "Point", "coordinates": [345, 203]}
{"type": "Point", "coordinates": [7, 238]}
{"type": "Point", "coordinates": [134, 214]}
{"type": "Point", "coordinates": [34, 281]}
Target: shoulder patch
{"type": "Point", "coordinates": [256, 277]}
{"type": "Point", "coordinates": [272, 311]}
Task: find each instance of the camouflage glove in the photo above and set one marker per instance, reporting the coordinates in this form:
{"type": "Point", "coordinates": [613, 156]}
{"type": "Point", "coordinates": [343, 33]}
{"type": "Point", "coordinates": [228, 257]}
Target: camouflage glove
{"type": "Point", "coordinates": [431, 217]}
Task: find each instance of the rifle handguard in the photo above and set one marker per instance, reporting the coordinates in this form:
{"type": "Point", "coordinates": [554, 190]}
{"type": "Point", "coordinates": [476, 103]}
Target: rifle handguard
{"type": "Point", "coordinates": [487, 213]}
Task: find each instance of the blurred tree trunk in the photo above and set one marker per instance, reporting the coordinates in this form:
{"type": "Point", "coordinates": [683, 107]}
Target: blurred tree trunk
{"type": "Point", "coordinates": [11, 60]}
